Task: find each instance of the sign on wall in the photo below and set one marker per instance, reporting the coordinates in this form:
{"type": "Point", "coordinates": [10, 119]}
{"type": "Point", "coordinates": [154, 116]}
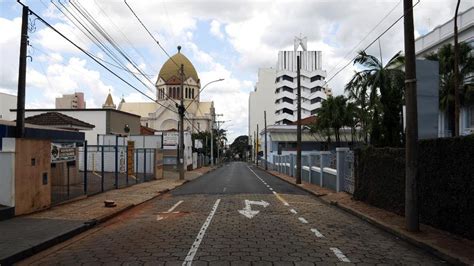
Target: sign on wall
{"type": "Point", "coordinates": [63, 152]}
{"type": "Point", "coordinates": [170, 138]}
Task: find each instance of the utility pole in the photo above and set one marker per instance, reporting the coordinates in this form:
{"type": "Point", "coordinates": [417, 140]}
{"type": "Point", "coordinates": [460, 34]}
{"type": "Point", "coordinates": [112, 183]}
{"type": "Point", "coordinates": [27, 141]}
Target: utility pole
{"type": "Point", "coordinates": [266, 156]}
{"type": "Point", "coordinates": [213, 115]}
{"type": "Point", "coordinates": [256, 158]}
{"type": "Point", "coordinates": [20, 105]}
{"type": "Point", "coordinates": [456, 73]}
{"type": "Point", "coordinates": [411, 148]}
{"type": "Point", "coordinates": [298, 123]}
{"type": "Point", "coordinates": [254, 147]}
{"type": "Point", "coordinates": [181, 124]}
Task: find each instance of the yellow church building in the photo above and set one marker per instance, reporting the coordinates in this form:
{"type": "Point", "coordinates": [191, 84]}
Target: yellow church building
{"type": "Point", "coordinates": [198, 116]}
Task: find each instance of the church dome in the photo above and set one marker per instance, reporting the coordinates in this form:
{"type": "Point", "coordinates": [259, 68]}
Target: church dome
{"type": "Point", "coordinates": [170, 69]}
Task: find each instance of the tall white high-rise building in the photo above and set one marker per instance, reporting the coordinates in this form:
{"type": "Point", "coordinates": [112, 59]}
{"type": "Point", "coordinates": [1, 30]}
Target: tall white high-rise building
{"type": "Point", "coordinates": [313, 85]}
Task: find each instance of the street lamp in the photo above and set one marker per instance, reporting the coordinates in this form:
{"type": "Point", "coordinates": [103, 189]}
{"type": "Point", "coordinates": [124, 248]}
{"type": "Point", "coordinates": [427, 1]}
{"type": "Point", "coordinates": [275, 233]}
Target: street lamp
{"type": "Point", "coordinates": [217, 80]}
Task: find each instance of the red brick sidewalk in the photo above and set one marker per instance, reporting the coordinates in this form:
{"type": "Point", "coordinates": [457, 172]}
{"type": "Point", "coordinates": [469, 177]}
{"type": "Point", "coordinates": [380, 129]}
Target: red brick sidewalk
{"type": "Point", "coordinates": [26, 235]}
{"type": "Point", "coordinates": [452, 248]}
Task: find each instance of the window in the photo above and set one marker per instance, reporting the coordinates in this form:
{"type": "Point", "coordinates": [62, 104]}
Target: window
{"type": "Point", "coordinates": [316, 100]}
{"type": "Point", "coordinates": [315, 89]}
{"type": "Point", "coordinates": [318, 77]}
{"type": "Point", "coordinates": [287, 111]}
{"type": "Point", "coordinates": [186, 92]}
{"type": "Point", "coordinates": [192, 93]}
{"type": "Point", "coordinates": [288, 78]}
{"type": "Point", "coordinates": [285, 88]}
{"type": "Point", "coordinates": [169, 92]}
{"type": "Point", "coordinates": [287, 100]}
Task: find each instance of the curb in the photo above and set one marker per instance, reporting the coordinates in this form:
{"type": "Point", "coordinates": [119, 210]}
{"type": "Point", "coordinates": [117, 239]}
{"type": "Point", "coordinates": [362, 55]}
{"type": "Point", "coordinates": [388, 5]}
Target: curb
{"type": "Point", "coordinates": [430, 249]}
{"type": "Point", "coordinates": [10, 260]}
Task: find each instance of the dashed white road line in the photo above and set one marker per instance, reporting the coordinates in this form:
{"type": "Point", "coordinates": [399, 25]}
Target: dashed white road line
{"type": "Point", "coordinates": [224, 189]}
{"type": "Point", "coordinates": [316, 232]}
{"type": "Point", "coordinates": [194, 248]}
{"type": "Point", "coordinates": [340, 255]}
{"type": "Point", "coordinates": [293, 211]}
{"type": "Point", "coordinates": [303, 220]}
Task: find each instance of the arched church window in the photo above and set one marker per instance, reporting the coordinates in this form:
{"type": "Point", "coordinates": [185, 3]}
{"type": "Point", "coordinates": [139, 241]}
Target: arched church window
{"type": "Point", "coordinates": [169, 91]}
{"type": "Point", "coordinates": [192, 93]}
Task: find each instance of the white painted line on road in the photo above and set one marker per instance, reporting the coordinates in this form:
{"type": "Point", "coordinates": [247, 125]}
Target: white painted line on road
{"type": "Point", "coordinates": [194, 248]}
{"type": "Point", "coordinates": [340, 255]}
{"type": "Point", "coordinates": [293, 211]}
{"type": "Point", "coordinates": [271, 189]}
{"type": "Point", "coordinates": [303, 220]}
{"type": "Point", "coordinates": [316, 232]}
{"type": "Point", "coordinates": [281, 199]}
{"type": "Point", "coordinates": [174, 206]}
{"type": "Point", "coordinates": [224, 189]}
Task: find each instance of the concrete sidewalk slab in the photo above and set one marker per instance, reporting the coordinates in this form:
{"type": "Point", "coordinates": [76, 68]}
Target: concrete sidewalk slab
{"type": "Point", "coordinates": [26, 235]}
{"type": "Point", "coordinates": [451, 248]}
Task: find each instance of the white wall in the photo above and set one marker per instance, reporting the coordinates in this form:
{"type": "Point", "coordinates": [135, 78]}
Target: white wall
{"type": "Point", "coordinates": [7, 180]}
{"type": "Point", "coordinates": [97, 118]}
{"type": "Point", "coordinates": [7, 102]}
{"type": "Point", "coordinates": [443, 34]}
{"type": "Point", "coordinates": [260, 100]}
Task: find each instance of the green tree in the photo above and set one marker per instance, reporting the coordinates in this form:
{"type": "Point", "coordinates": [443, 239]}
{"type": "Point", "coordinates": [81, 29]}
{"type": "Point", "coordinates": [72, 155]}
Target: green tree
{"type": "Point", "coordinates": [377, 89]}
{"type": "Point", "coordinates": [331, 117]}
{"type": "Point", "coordinates": [240, 146]}
{"type": "Point", "coordinates": [445, 56]}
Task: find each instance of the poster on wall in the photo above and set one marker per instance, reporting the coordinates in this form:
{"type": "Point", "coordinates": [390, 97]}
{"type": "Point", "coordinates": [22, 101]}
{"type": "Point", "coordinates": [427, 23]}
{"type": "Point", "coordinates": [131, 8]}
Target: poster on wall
{"type": "Point", "coordinates": [63, 152]}
{"type": "Point", "coordinates": [170, 140]}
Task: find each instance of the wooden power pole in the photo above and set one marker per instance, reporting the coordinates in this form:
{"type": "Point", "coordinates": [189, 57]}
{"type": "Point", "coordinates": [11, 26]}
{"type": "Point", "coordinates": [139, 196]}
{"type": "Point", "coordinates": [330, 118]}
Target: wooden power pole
{"type": "Point", "coordinates": [411, 148]}
{"type": "Point", "coordinates": [457, 101]}
{"type": "Point", "coordinates": [20, 104]}
{"type": "Point", "coordinates": [298, 123]}
{"type": "Point", "coordinates": [266, 156]}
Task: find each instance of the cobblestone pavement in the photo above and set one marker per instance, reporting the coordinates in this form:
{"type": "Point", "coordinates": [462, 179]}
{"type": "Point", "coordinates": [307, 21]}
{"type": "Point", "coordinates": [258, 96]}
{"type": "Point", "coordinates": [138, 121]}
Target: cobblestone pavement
{"type": "Point", "coordinates": [292, 229]}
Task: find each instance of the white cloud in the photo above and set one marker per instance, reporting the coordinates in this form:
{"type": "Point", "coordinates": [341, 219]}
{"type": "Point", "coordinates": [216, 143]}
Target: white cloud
{"type": "Point", "coordinates": [216, 29]}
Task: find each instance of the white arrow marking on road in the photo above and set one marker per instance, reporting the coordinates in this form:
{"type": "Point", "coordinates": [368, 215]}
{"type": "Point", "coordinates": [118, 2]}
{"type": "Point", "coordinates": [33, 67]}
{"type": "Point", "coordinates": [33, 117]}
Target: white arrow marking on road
{"type": "Point", "coordinates": [247, 210]}
{"type": "Point", "coordinates": [316, 232]}
{"type": "Point", "coordinates": [159, 217]}
{"type": "Point", "coordinates": [293, 211]}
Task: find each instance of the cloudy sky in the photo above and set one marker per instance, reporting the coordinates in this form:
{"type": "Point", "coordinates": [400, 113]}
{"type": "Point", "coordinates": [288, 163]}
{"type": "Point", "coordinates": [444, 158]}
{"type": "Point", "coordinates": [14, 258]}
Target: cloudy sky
{"type": "Point", "coordinates": [224, 39]}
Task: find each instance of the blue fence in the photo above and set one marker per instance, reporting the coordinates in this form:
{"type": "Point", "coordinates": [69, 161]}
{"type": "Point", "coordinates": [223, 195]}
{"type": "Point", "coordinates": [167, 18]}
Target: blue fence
{"type": "Point", "coordinates": [333, 170]}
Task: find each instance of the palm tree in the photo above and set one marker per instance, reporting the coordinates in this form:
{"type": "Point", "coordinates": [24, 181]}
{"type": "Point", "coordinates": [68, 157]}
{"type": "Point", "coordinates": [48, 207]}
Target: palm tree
{"type": "Point", "coordinates": [445, 56]}
{"type": "Point", "coordinates": [331, 117]}
{"type": "Point", "coordinates": [378, 91]}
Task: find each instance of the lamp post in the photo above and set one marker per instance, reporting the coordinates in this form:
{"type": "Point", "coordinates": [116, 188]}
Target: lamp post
{"type": "Point", "coordinates": [203, 87]}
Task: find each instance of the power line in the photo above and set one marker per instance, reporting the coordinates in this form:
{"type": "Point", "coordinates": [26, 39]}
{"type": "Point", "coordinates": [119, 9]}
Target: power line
{"type": "Point", "coordinates": [90, 56]}
{"type": "Point", "coordinates": [366, 36]}
{"type": "Point", "coordinates": [378, 37]}
{"type": "Point", "coordinates": [96, 40]}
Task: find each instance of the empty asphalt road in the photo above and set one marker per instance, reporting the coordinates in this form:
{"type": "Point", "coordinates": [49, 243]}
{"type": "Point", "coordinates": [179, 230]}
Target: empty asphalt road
{"type": "Point", "coordinates": [239, 215]}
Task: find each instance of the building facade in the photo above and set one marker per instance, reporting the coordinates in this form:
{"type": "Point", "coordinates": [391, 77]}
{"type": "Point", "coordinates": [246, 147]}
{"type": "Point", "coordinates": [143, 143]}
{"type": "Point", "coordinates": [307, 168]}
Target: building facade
{"type": "Point", "coordinates": [312, 78]}
{"type": "Point", "coordinates": [7, 102]}
{"type": "Point", "coordinates": [163, 115]}
{"type": "Point", "coordinates": [261, 100]}
{"type": "Point", "coordinates": [430, 43]}
{"type": "Point", "coordinates": [71, 101]}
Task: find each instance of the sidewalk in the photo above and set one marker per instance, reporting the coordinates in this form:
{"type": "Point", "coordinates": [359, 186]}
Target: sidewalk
{"type": "Point", "coordinates": [26, 235]}
{"type": "Point", "coordinates": [452, 248]}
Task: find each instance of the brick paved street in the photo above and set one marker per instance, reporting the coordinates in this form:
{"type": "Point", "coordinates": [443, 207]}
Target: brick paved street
{"type": "Point", "coordinates": [200, 223]}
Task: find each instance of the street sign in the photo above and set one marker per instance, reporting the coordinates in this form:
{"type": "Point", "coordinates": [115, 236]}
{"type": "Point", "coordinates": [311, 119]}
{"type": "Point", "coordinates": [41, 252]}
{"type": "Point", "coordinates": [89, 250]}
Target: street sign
{"type": "Point", "coordinates": [247, 210]}
{"type": "Point", "coordinates": [63, 152]}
